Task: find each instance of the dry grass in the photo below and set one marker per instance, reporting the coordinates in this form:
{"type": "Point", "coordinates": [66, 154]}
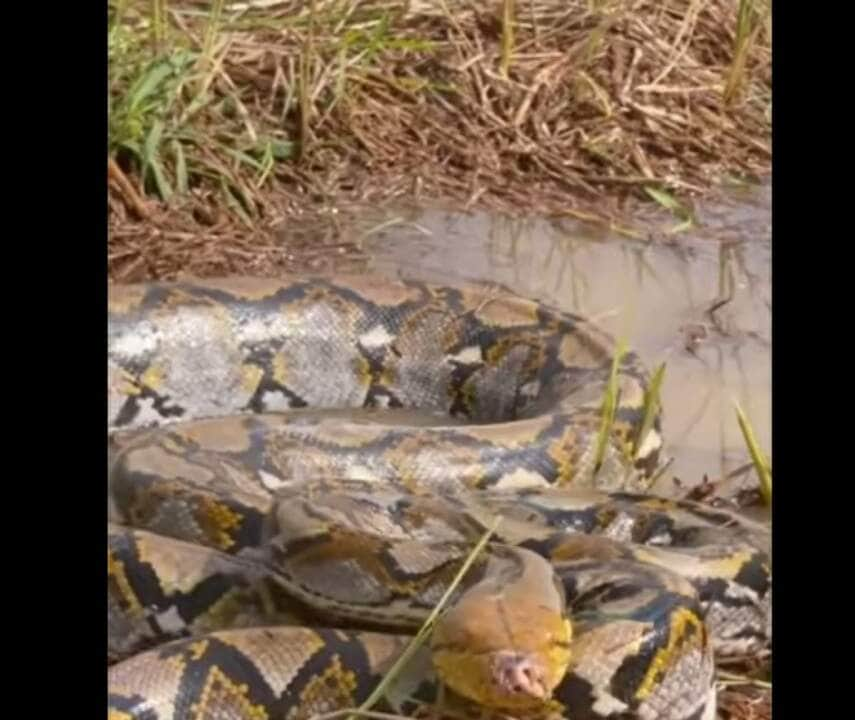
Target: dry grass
{"type": "Point", "coordinates": [745, 703]}
{"type": "Point", "coordinates": [745, 688]}
{"type": "Point", "coordinates": [226, 121]}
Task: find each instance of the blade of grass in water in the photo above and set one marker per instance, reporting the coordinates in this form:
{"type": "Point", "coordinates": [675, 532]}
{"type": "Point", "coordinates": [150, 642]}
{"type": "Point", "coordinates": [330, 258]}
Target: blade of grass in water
{"type": "Point", "coordinates": [609, 407]}
{"type": "Point", "coordinates": [651, 407]}
{"type": "Point", "coordinates": [669, 202]}
{"type": "Point", "coordinates": [427, 626]}
{"type": "Point", "coordinates": [761, 464]}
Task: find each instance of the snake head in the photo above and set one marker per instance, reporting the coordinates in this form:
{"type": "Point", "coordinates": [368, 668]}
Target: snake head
{"type": "Point", "coordinates": [505, 643]}
{"type": "Point", "coordinates": [504, 679]}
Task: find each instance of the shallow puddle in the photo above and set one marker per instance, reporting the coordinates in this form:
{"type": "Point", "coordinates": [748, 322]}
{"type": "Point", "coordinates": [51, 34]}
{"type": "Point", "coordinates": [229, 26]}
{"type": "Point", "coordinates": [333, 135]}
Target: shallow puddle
{"type": "Point", "coordinates": [699, 301]}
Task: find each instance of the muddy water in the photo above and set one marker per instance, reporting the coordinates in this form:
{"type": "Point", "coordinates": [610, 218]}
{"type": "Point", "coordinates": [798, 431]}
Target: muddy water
{"type": "Point", "coordinates": [700, 301]}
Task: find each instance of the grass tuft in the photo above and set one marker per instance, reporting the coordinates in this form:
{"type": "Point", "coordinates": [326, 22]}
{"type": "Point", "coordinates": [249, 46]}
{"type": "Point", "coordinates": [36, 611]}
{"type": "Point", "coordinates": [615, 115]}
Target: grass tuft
{"type": "Point", "coordinates": [548, 105]}
{"type": "Point", "coordinates": [609, 407]}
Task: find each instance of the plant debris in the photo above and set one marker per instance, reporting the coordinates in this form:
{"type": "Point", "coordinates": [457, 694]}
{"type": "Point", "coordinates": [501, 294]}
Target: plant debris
{"type": "Point", "coordinates": [230, 119]}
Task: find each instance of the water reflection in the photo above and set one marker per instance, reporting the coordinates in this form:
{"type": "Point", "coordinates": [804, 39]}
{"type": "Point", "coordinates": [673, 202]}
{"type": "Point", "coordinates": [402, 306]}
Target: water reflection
{"type": "Point", "coordinates": [700, 302]}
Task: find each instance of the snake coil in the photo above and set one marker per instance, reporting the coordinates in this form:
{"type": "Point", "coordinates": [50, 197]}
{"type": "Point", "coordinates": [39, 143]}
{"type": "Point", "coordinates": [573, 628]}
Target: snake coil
{"type": "Point", "coordinates": [280, 525]}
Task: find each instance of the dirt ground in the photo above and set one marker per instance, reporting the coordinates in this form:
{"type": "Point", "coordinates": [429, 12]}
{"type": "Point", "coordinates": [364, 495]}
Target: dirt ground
{"type": "Point", "coordinates": [240, 142]}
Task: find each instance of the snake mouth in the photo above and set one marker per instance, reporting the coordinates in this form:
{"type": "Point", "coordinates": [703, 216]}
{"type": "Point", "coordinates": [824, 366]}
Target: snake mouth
{"type": "Point", "coordinates": [518, 674]}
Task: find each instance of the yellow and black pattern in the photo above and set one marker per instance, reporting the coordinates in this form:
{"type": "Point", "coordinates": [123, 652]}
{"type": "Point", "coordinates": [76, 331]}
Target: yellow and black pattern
{"type": "Point", "coordinates": [471, 355]}
{"type": "Point", "coordinates": [588, 604]}
{"type": "Point", "coordinates": [257, 674]}
{"type": "Point", "coordinates": [642, 633]}
{"type": "Point", "coordinates": [161, 589]}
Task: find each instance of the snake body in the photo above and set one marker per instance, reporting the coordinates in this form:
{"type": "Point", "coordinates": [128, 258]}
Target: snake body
{"type": "Point", "coordinates": [270, 556]}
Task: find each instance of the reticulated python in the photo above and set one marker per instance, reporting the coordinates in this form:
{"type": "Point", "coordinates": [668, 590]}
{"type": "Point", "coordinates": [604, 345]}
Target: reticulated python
{"type": "Point", "coordinates": [271, 564]}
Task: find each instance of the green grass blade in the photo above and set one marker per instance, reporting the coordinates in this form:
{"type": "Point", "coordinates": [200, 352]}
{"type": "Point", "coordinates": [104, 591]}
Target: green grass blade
{"type": "Point", "coordinates": [682, 227]}
{"type": "Point", "coordinates": [267, 162]}
{"type": "Point", "coordinates": [180, 167]}
{"type": "Point", "coordinates": [151, 160]}
{"type": "Point", "coordinates": [152, 142]}
{"type": "Point", "coordinates": [761, 463]}
{"type": "Point", "coordinates": [282, 149]}
{"type": "Point", "coordinates": [164, 189]}
{"type": "Point", "coordinates": [148, 83]}
{"type": "Point", "coordinates": [609, 408]}
{"type": "Point", "coordinates": [678, 209]}
{"type": "Point", "coordinates": [750, 20]}
{"type": "Point", "coordinates": [235, 201]}
{"type": "Point", "coordinates": [212, 30]}
{"type": "Point", "coordinates": [243, 157]}
{"type": "Point", "coordinates": [158, 25]}
{"type": "Point", "coordinates": [665, 199]}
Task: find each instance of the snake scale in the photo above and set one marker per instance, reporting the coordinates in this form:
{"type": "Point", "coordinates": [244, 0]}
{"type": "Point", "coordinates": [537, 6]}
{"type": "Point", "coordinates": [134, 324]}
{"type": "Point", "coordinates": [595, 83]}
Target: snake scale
{"type": "Point", "coordinates": [280, 525]}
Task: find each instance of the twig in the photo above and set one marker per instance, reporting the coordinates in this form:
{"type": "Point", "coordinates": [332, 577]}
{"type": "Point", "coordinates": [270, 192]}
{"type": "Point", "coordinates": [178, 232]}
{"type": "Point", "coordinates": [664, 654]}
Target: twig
{"type": "Point", "coordinates": [126, 188]}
